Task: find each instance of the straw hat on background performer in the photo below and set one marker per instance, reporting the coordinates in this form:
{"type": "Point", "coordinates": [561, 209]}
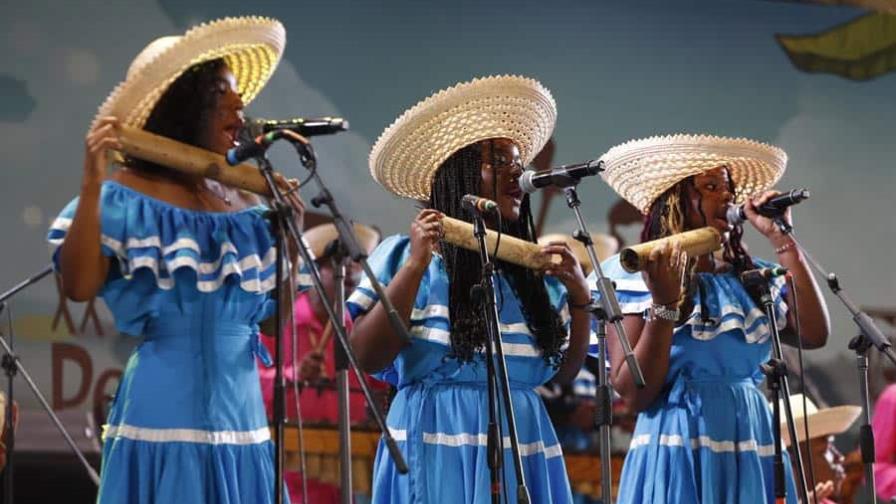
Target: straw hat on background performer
{"type": "Point", "coordinates": [642, 170]}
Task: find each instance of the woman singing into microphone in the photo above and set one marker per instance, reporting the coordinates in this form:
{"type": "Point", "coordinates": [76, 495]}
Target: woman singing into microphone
{"type": "Point", "coordinates": [186, 264]}
{"type": "Point", "coordinates": [704, 433]}
{"type": "Point", "coordinates": [473, 138]}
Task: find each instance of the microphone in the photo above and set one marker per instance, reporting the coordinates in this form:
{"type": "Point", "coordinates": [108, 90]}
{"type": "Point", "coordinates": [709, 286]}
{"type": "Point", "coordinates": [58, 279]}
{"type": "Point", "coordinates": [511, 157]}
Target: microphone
{"type": "Point", "coordinates": [774, 207]}
{"type": "Point", "coordinates": [251, 149]}
{"type": "Point", "coordinates": [761, 275]}
{"type": "Point", "coordinates": [301, 125]}
{"type": "Point", "coordinates": [564, 176]}
{"type": "Point", "coordinates": [477, 204]}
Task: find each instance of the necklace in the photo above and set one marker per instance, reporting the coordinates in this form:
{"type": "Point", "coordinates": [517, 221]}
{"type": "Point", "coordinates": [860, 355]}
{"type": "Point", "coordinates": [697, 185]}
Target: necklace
{"type": "Point", "coordinates": [214, 191]}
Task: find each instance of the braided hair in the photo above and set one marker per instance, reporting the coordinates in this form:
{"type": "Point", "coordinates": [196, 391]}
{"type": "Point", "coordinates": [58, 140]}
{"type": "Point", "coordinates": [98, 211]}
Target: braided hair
{"type": "Point", "coordinates": [669, 214]}
{"type": "Point", "coordinates": [461, 174]}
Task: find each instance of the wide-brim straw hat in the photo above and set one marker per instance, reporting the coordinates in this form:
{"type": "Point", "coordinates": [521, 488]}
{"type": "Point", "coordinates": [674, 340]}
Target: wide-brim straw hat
{"type": "Point", "coordinates": [407, 154]}
{"type": "Point", "coordinates": [822, 423]}
{"type": "Point", "coordinates": [642, 170]}
{"type": "Point", "coordinates": [604, 247]}
{"type": "Point", "coordinates": [251, 47]}
{"type": "Point", "coordinates": [320, 237]}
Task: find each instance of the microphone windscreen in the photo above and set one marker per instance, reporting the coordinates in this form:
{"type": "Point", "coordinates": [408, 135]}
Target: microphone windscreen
{"type": "Point", "coordinates": [526, 182]}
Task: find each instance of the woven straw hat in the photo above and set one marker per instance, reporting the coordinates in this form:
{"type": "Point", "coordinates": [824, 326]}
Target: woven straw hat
{"type": "Point", "coordinates": [251, 46]}
{"type": "Point", "coordinates": [406, 156]}
{"type": "Point", "coordinates": [825, 422]}
{"type": "Point", "coordinates": [641, 170]}
{"type": "Point", "coordinates": [319, 238]}
{"type": "Point", "coordinates": [604, 247]}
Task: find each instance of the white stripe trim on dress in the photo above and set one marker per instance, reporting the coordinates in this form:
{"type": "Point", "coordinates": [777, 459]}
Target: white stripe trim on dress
{"type": "Point", "coordinates": [465, 439]}
{"type": "Point", "coordinates": [749, 445]}
{"type": "Point", "coordinates": [248, 262]}
{"type": "Point", "coordinates": [187, 435]}
{"type": "Point", "coordinates": [442, 337]}
{"type": "Point", "coordinates": [361, 298]}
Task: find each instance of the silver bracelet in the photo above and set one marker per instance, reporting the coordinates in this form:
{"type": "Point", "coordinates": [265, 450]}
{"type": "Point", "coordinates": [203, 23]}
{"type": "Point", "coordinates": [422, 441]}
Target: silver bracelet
{"type": "Point", "coordinates": [662, 312]}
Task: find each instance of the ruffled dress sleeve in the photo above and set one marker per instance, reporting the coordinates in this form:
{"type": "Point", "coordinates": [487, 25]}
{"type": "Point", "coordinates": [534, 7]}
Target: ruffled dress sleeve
{"type": "Point", "coordinates": [158, 249]}
{"type": "Point", "coordinates": [631, 291]}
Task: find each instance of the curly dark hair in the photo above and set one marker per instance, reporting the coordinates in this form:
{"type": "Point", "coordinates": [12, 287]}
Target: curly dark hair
{"type": "Point", "coordinates": [461, 174]}
{"type": "Point", "coordinates": [182, 110]}
{"type": "Point", "coordinates": [669, 215]}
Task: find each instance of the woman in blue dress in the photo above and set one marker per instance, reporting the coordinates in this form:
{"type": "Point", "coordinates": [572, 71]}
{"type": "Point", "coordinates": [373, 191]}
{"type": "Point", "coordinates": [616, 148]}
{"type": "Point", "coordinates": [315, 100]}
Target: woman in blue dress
{"type": "Point", "coordinates": [185, 263]}
{"type": "Point", "coordinates": [473, 138]}
{"type": "Point", "coordinates": [704, 433]}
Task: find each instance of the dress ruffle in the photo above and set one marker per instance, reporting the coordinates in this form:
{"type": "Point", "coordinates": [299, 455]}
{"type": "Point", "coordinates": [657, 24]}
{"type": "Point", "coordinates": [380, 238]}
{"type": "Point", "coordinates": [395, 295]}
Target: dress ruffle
{"type": "Point", "coordinates": [728, 304]}
{"type": "Point", "coordinates": [146, 233]}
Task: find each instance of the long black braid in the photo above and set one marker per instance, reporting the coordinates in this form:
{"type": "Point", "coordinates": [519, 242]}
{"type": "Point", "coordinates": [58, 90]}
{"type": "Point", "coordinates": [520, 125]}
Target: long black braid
{"type": "Point", "coordinates": [669, 215]}
{"type": "Point", "coordinates": [458, 175]}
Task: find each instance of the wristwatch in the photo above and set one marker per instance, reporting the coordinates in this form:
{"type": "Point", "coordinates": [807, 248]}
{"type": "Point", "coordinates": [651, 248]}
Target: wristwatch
{"type": "Point", "coordinates": [662, 312]}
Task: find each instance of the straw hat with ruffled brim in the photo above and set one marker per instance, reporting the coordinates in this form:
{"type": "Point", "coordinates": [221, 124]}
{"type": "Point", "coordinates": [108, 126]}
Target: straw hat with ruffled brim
{"type": "Point", "coordinates": [822, 422]}
{"type": "Point", "coordinates": [251, 47]}
{"type": "Point", "coordinates": [642, 170]}
{"type": "Point", "coordinates": [320, 237]}
{"type": "Point", "coordinates": [406, 156]}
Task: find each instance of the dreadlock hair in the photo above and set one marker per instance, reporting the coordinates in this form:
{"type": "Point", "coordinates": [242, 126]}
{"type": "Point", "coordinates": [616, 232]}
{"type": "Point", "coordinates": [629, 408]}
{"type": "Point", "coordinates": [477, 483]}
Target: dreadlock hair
{"type": "Point", "coordinates": [461, 174]}
{"type": "Point", "coordinates": [669, 214]}
{"type": "Point", "coordinates": [182, 110]}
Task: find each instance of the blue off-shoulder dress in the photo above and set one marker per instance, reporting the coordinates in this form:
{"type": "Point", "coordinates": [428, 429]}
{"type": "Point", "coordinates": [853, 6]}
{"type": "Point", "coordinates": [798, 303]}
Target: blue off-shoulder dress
{"type": "Point", "coordinates": [187, 423]}
{"type": "Point", "coordinates": [439, 416]}
{"type": "Point", "coordinates": [707, 438]}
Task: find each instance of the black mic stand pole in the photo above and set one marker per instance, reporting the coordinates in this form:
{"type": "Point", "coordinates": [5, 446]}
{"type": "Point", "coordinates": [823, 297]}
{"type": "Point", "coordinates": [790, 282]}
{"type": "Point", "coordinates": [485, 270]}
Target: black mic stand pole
{"type": "Point", "coordinates": [359, 255]}
{"type": "Point", "coordinates": [607, 311]}
{"type": "Point", "coordinates": [338, 258]}
{"type": "Point", "coordinates": [497, 378]}
{"type": "Point", "coordinates": [282, 211]}
{"type": "Point", "coordinates": [869, 335]}
{"type": "Point", "coordinates": [776, 371]}
{"type": "Point", "coordinates": [11, 366]}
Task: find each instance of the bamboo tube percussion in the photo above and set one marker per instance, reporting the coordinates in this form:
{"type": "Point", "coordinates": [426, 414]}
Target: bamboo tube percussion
{"type": "Point", "coordinates": [188, 159]}
{"type": "Point", "coordinates": [696, 242]}
{"type": "Point", "coordinates": [511, 249]}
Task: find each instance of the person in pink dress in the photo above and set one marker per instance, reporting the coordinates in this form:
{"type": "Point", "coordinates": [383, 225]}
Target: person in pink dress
{"type": "Point", "coordinates": [316, 365]}
{"type": "Point", "coordinates": [883, 422]}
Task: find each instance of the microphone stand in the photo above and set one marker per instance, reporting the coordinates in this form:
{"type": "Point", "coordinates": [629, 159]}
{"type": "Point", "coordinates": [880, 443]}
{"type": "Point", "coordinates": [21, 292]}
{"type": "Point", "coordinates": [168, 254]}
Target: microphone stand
{"type": "Point", "coordinates": [776, 371]}
{"type": "Point", "coordinates": [607, 311]}
{"type": "Point", "coordinates": [869, 335]}
{"type": "Point", "coordinates": [12, 365]}
{"type": "Point", "coordinates": [497, 378]}
{"type": "Point", "coordinates": [283, 223]}
{"type": "Point", "coordinates": [338, 260]}
{"type": "Point", "coordinates": [359, 255]}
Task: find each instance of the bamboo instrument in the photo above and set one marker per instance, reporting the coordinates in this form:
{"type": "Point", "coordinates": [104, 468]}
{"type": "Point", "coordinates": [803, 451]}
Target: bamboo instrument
{"type": "Point", "coordinates": [511, 249]}
{"type": "Point", "coordinates": [696, 242]}
{"type": "Point", "coordinates": [189, 159]}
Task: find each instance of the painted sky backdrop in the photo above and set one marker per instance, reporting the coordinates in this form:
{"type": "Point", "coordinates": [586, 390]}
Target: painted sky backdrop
{"type": "Point", "coordinates": [618, 70]}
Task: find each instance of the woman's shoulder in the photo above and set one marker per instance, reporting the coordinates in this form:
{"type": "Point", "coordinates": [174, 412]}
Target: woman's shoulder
{"type": "Point", "coordinates": [175, 195]}
{"type": "Point", "coordinates": [623, 280]}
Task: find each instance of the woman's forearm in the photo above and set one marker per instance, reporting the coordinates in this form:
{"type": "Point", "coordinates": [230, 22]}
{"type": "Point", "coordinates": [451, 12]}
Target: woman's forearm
{"type": "Point", "coordinates": [81, 261]}
{"type": "Point", "coordinates": [814, 322]}
{"type": "Point", "coordinates": [579, 338]}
